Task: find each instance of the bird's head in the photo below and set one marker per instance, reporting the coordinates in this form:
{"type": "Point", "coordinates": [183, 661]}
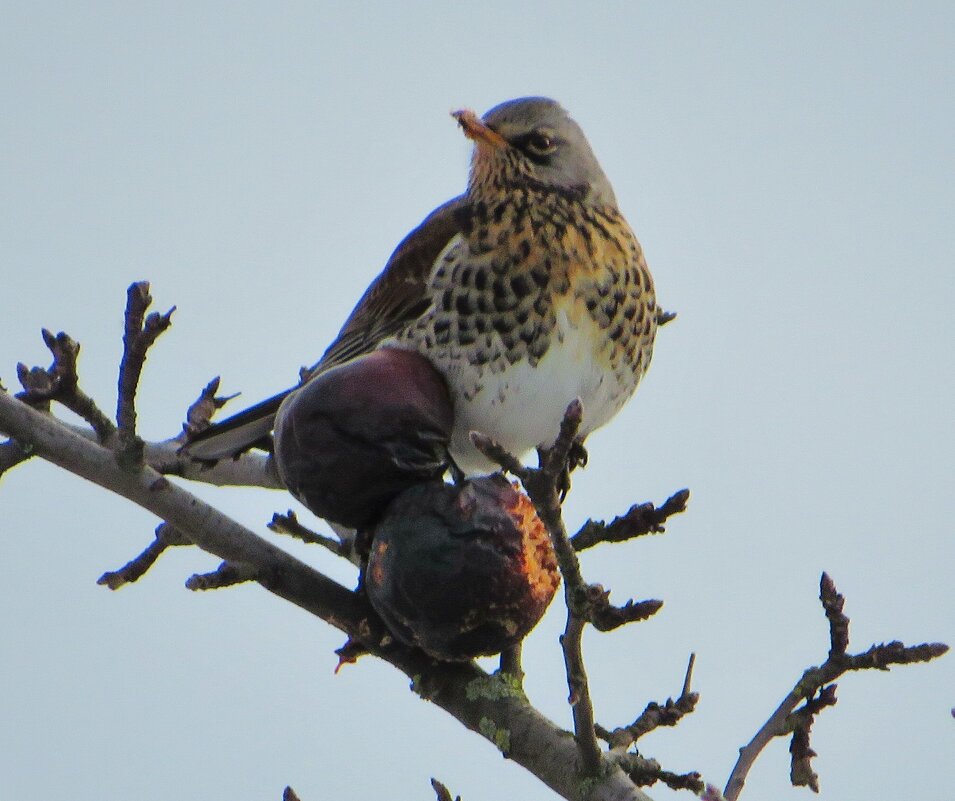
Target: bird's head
{"type": "Point", "coordinates": [533, 142]}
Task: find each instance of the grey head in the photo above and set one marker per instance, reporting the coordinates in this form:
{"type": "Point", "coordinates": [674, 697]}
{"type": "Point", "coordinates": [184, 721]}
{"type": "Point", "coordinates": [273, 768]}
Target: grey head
{"type": "Point", "coordinates": [534, 140]}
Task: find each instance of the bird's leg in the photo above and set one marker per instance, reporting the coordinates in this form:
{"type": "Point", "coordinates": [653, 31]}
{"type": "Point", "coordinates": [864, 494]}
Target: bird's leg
{"type": "Point", "coordinates": [457, 474]}
{"type": "Point", "coordinates": [576, 457]}
{"type": "Point", "coordinates": [363, 538]}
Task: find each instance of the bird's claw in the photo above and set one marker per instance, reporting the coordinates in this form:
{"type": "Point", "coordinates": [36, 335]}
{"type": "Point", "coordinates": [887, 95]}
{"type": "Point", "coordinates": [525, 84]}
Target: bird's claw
{"type": "Point", "coordinates": [576, 457]}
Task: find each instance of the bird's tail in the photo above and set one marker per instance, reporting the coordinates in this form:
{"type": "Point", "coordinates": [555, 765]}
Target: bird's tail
{"type": "Point", "coordinates": [238, 433]}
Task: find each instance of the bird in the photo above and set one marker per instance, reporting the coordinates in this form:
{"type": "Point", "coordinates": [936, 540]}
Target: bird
{"type": "Point", "coordinates": [526, 292]}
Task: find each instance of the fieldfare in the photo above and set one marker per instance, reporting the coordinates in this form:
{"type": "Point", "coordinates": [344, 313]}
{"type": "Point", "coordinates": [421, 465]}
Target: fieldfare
{"type": "Point", "coordinates": [525, 292]}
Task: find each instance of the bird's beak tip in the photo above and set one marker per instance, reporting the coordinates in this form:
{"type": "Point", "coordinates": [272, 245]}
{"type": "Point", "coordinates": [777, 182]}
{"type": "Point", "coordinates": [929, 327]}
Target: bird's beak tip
{"type": "Point", "coordinates": [475, 129]}
{"type": "Point", "coordinates": [464, 117]}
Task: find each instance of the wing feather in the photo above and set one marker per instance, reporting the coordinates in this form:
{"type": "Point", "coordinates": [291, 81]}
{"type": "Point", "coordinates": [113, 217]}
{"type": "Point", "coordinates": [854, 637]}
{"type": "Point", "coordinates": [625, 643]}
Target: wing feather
{"type": "Point", "coordinates": [395, 298]}
{"type": "Point", "coordinates": [398, 295]}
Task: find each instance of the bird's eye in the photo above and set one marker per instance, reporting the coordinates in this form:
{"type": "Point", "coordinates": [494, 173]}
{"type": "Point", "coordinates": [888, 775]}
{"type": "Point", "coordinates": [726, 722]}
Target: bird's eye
{"type": "Point", "coordinates": [540, 143]}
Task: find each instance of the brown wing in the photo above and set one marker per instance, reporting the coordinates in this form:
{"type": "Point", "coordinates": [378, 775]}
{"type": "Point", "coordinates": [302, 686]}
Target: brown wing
{"type": "Point", "coordinates": [397, 296]}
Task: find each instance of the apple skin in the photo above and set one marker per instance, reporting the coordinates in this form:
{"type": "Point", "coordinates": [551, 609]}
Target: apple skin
{"type": "Point", "coordinates": [461, 570]}
{"type": "Point", "coordinates": [357, 435]}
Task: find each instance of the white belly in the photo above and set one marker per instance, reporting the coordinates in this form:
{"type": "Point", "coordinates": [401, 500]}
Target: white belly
{"type": "Point", "coordinates": [521, 407]}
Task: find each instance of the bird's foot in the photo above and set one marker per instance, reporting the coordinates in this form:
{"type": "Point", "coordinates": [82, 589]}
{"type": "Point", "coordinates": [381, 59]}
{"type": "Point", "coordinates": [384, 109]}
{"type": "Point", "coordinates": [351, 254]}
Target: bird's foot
{"type": "Point", "coordinates": [457, 474]}
{"type": "Point", "coordinates": [576, 457]}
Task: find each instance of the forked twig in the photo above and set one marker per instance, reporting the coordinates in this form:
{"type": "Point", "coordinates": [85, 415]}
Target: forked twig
{"type": "Point", "coordinates": [139, 333]}
{"type": "Point", "coordinates": [655, 715]}
{"type": "Point", "coordinates": [166, 536]}
{"type": "Point", "coordinates": [60, 383]}
{"type": "Point", "coordinates": [816, 691]}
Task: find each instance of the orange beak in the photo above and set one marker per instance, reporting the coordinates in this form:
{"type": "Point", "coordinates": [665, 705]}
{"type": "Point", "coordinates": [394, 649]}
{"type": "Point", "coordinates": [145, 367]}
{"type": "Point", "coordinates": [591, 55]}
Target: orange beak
{"type": "Point", "coordinates": [476, 130]}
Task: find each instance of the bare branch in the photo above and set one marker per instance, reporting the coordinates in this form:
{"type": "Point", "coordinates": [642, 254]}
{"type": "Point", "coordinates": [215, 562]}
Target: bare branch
{"type": "Point", "coordinates": [289, 524]}
{"type": "Point", "coordinates": [497, 454]}
{"type": "Point", "coordinates": [491, 705]}
{"type": "Point", "coordinates": [138, 337]}
{"type": "Point", "coordinates": [639, 520]}
{"type": "Point", "coordinates": [12, 454]}
{"type": "Point", "coordinates": [645, 772]}
{"type": "Point", "coordinates": [814, 680]}
{"type": "Point", "coordinates": [664, 317]}
{"type": "Point", "coordinates": [801, 773]}
{"type": "Point", "coordinates": [228, 574]}
{"type": "Point", "coordinates": [655, 715]}
{"type": "Point", "coordinates": [883, 656]}
{"type": "Point", "coordinates": [606, 617]}
{"type": "Point", "coordinates": [832, 604]}
{"type": "Point", "coordinates": [204, 407]}
{"type": "Point", "coordinates": [443, 793]}
{"type": "Point", "coordinates": [60, 383]}
{"type": "Point", "coordinates": [481, 702]}
{"type": "Point", "coordinates": [166, 536]}
{"type": "Point", "coordinates": [247, 470]}
{"type": "Point", "coordinates": [510, 663]}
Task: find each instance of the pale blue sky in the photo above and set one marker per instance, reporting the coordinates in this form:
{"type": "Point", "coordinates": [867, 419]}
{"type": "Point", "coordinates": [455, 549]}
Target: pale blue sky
{"type": "Point", "coordinates": [789, 171]}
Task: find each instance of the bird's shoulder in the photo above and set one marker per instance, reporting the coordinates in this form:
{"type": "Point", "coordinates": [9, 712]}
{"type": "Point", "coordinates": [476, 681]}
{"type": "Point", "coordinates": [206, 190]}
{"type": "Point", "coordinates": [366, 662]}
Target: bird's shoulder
{"type": "Point", "coordinates": [399, 294]}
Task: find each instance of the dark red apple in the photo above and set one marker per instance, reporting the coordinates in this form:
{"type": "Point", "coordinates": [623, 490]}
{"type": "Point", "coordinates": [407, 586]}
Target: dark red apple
{"type": "Point", "coordinates": [461, 570]}
{"type": "Point", "coordinates": [357, 435]}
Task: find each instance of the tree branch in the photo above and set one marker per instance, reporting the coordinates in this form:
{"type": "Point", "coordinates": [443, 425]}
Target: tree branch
{"type": "Point", "coordinates": [646, 772]}
{"type": "Point", "coordinates": [61, 383]}
{"type": "Point", "coordinates": [492, 705]}
{"type": "Point", "coordinates": [812, 688]}
{"type": "Point", "coordinates": [199, 414]}
{"type": "Point", "coordinates": [166, 536]}
{"type": "Point", "coordinates": [442, 792]}
{"type": "Point", "coordinates": [288, 524]}
{"type": "Point", "coordinates": [248, 470]}
{"type": "Point", "coordinates": [639, 520]}
{"type": "Point", "coordinates": [655, 715]}
{"type": "Point", "coordinates": [544, 486]}
{"type": "Point", "coordinates": [138, 337]}
{"type": "Point", "coordinates": [483, 703]}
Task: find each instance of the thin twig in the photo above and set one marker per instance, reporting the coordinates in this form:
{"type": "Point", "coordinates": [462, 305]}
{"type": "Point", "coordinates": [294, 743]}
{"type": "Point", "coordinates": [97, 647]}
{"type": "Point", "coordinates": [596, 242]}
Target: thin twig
{"type": "Point", "coordinates": [688, 678]}
{"type": "Point", "coordinates": [138, 335]}
{"type": "Point", "coordinates": [604, 616]}
{"type": "Point", "coordinates": [814, 680]}
{"type": "Point", "coordinates": [246, 470]}
{"type": "Point", "coordinates": [664, 317]}
{"type": "Point", "coordinates": [290, 525]}
{"type": "Point", "coordinates": [228, 574]}
{"type": "Point", "coordinates": [443, 793]}
{"type": "Point", "coordinates": [510, 663]}
{"type": "Point", "coordinates": [166, 536]}
{"type": "Point", "coordinates": [655, 715]}
{"type": "Point", "coordinates": [833, 604]}
{"type": "Point", "coordinates": [801, 773]}
{"type": "Point", "coordinates": [645, 772]}
{"type": "Point", "coordinates": [204, 407]}
{"type": "Point", "coordinates": [60, 383]}
{"type": "Point", "coordinates": [639, 520]}
{"type": "Point", "coordinates": [497, 454]}
{"type": "Point", "coordinates": [12, 453]}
